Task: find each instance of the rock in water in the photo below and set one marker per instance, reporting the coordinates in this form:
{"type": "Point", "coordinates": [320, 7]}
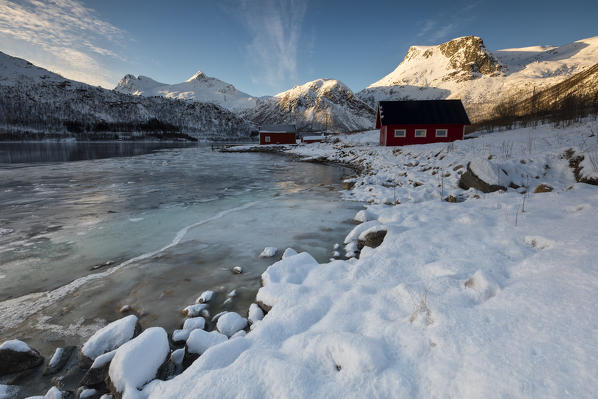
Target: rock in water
{"type": "Point", "coordinates": [205, 297]}
{"type": "Point", "coordinates": [59, 359]}
{"type": "Point", "coordinates": [268, 252]}
{"type": "Point", "coordinates": [108, 339]}
{"type": "Point", "coordinates": [137, 362]}
{"type": "Point", "coordinates": [17, 356]}
{"type": "Point", "coordinates": [230, 322]}
{"type": "Point", "coordinates": [237, 270]}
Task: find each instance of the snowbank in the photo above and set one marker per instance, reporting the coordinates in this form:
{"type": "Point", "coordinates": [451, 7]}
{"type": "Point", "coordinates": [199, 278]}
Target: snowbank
{"type": "Point", "coordinates": [491, 297]}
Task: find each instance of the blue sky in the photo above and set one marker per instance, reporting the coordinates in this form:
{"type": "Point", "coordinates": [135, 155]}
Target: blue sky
{"type": "Point", "coordinates": [267, 46]}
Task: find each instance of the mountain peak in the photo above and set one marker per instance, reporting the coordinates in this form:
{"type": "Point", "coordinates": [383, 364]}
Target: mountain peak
{"type": "Point", "coordinates": [199, 75]}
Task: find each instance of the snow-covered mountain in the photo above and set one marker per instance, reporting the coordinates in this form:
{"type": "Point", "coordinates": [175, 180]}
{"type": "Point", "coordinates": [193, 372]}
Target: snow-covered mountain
{"type": "Point", "coordinates": [37, 102]}
{"type": "Point", "coordinates": [198, 87]}
{"type": "Point", "coordinates": [316, 105]}
{"type": "Point", "coordinates": [464, 68]}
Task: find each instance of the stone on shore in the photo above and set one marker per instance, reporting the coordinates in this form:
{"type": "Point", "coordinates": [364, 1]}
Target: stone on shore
{"type": "Point", "coordinates": [59, 359]}
{"type": "Point", "coordinates": [16, 356]}
{"type": "Point", "coordinates": [231, 322]}
{"type": "Point", "coordinates": [108, 339]}
{"type": "Point", "coordinates": [137, 361]}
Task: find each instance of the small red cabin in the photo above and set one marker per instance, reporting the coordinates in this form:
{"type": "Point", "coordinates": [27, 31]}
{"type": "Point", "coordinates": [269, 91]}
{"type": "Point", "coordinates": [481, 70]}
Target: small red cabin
{"type": "Point", "coordinates": [278, 134]}
{"type": "Point", "coordinates": [420, 122]}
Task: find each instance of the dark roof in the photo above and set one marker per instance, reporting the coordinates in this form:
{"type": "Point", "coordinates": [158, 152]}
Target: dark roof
{"type": "Point", "coordinates": [421, 111]}
{"type": "Point", "coordinates": [278, 129]}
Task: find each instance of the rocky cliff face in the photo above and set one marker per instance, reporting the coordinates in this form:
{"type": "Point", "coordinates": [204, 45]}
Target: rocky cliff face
{"type": "Point", "coordinates": [317, 105]}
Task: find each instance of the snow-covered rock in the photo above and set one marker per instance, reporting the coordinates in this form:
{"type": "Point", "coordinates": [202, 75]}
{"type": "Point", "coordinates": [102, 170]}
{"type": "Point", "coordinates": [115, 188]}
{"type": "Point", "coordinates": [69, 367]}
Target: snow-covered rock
{"type": "Point", "coordinates": [59, 359]}
{"type": "Point", "coordinates": [9, 391]}
{"type": "Point", "coordinates": [237, 270]}
{"type": "Point", "coordinates": [255, 313]}
{"type": "Point", "coordinates": [231, 322]}
{"type": "Point", "coordinates": [16, 355]}
{"type": "Point", "coordinates": [288, 252]}
{"type": "Point", "coordinates": [194, 310]}
{"type": "Point", "coordinates": [199, 341]}
{"type": "Point", "coordinates": [108, 339]}
{"type": "Point", "coordinates": [194, 323]}
{"type": "Point", "coordinates": [205, 297]}
{"type": "Point", "coordinates": [268, 252]}
{"type": "Point", "coordinates": [137, 362]}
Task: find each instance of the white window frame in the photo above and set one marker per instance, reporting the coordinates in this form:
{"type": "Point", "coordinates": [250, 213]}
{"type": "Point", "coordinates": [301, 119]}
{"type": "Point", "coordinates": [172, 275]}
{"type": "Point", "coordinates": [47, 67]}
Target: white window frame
{"type": "Point", "coordinates": [267, 139]}
{"type": "Point", "coordinates": [418, 132]}
{"type": "Point", "coordinates": [441, 132]}
{"type": "Point", "coordinates": [400, 133]}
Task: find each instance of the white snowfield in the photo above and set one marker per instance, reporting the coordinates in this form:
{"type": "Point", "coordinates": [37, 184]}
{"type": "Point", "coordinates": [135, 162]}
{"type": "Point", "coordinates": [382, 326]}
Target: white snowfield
{"type": "Point", "coordinates": [492, 297]}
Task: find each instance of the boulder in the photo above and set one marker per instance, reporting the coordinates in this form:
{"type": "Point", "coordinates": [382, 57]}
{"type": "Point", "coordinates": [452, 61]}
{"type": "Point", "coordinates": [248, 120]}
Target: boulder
{"type": "Point", "coordinates": [543, 188]}
{"type": "Point", "coordinates": [99, 370]}
{"type": "Point", "coordinates": [16, 356]}
{"type": "Point", "coordinates": [371, 239]}
{"type": "Point", "coordinates": [470, 179]}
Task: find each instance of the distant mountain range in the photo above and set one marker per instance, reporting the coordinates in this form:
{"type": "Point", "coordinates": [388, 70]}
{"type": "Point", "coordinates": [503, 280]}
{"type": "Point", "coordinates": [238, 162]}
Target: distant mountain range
{"type": "Point", "coordinates": [34, 99]}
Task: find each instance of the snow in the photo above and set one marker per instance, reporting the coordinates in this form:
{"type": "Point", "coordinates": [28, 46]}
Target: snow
{"type": "Point", "coordinates": [193, 323]}
{"type": "Point", "coordinates": [373, 229]}
{"type": "Point", "coordinates": [180, 335]}
{"type": "Point", "coordinates": [110, 337]}
{"type": "Point", "coordinates": [103, 359]}
{"type": "Point", "coordinates": [427, 73]}
{"type": "Point", "coordinates": [480, 298]}
{"type": "Point", "coordinates": [194, 310]}
{"type": "Point", "coordinates": [55, 357]}
{"type": "Point", "coordinates": [230, 322]}
{"type": "Point", "coordinates": [288, 252]}
{"type": "Point", "coordinates": [360, 228]}
{"type": "Point", "coordinates": [15, 345]}
{"type": "Point", "coordinates": [199, 340]}
{"type": "Point", "coordinates": [137, 361]}
{"type": "Point", "coordinates": [364, 216]}
{"type": "Point", "coordinates": [8, 391]}
{"type": "Point", "coordinates": [198, 87]}
{"type": "Point", "coordinates": [237, 270]}
{"type": "Point", "coordinates": [87, 393]}
{"type": "Point", "coordinates": [205, 297]}
{"type": "Point", "coordinates": [177, 356]}
{"type": "Point", "coordinates": [255, 313]}
{"type": "Point", "coordinates": [268, 252]}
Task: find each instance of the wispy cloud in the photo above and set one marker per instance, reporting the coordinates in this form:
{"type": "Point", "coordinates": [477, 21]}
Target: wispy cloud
{"type": "Point", "coordinates": [275, 27]}
{"type": "Point", "coordinates": [432, 31]}
{"type": "Point", "coordinates": [62, 35]}
{"type": "Point", "coordinates": [440, 28]}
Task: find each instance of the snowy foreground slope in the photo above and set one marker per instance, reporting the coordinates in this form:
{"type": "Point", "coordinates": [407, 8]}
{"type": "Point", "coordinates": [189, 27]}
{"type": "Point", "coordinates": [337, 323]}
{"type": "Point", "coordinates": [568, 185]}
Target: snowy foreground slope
{"type": "Point", "coordinates": [491, 297]}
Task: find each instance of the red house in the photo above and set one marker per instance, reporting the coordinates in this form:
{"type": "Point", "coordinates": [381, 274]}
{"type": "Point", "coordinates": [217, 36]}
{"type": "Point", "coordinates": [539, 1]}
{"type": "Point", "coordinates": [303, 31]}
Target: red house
{"type": "Point", "coordinates": [420, 122]}
{"type": "Point", "coordinates": [278, 134]}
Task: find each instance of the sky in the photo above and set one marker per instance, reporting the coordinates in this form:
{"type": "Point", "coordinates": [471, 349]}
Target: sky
{"type": "Point", "coordinates": [264, 47]}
